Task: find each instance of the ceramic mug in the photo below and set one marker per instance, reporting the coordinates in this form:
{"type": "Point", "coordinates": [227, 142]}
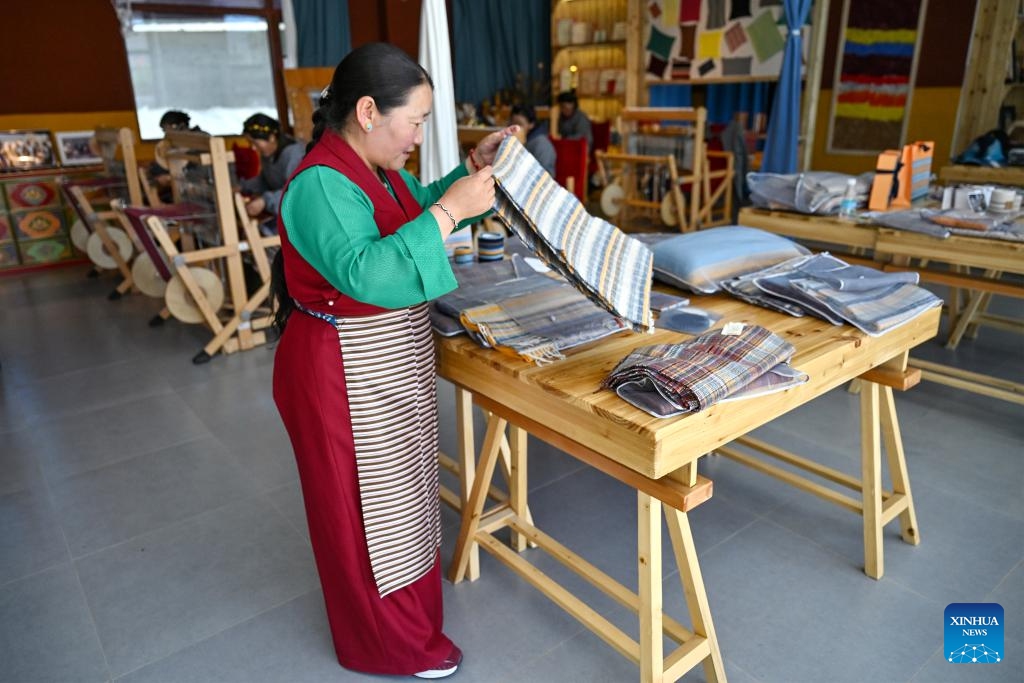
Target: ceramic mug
{"type": "Point", "coordinates": [1002, 199]}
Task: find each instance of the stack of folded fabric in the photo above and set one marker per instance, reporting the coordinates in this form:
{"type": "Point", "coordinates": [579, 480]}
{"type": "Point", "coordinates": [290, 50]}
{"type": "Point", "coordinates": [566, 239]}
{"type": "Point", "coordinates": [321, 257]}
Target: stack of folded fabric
{"type": "Point", "coordinates": [597, 258]}
{"type": "Point", "coordinates": [472, 277]}
{"type": "Point", "coordinates": [536, 317]}
{"type": "Point", "coordinates": [942, 224]}
{"type": "Point", "coordinates": [828, 288]}
{"type": "Point", "coordinates": [675, 379]}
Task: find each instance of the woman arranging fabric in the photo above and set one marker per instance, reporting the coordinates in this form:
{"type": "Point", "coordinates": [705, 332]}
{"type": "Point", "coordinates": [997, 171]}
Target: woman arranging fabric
{"type": "Point", "coordinates": [362, 251]}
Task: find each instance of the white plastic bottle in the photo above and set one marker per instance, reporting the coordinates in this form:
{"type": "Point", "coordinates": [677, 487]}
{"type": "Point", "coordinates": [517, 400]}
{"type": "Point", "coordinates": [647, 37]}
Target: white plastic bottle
{"type": "Point", "coordinates": [848, 205]}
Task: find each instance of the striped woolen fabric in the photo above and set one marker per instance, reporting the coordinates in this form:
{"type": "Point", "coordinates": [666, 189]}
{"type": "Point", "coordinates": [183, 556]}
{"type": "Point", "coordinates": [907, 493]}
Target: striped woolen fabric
{"type": "Point", "coordinates": [538, 318]}
{"type": "Point", "coordinates": [389, 373]}
{"type": "Point", "coordinates": [597, 258]}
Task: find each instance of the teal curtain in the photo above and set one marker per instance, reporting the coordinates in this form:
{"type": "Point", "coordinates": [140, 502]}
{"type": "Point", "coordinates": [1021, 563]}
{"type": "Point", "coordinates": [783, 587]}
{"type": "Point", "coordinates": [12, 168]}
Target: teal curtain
{"type": "Point", "coordinates": [502, 45]}
{"type": "Point", "coordinates": [780, 151]}
{"type": "Point", "coordinates": [323, 31]}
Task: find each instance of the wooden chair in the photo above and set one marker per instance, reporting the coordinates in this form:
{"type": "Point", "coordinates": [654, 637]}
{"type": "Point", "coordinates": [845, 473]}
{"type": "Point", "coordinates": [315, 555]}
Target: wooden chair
{"type": "Point", "coordinates": [571, 165]}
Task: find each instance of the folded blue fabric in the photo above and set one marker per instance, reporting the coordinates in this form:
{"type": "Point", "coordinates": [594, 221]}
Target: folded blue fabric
{"type": "Point", "coordinates": [701, 261]}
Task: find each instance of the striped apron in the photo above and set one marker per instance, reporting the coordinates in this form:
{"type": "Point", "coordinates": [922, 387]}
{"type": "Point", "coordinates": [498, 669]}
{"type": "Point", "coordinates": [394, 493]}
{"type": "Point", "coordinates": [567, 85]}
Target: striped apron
{"type": "Point", "coordinates": [388, 361]}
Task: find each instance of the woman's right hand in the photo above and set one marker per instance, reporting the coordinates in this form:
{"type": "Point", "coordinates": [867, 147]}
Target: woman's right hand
{"type": "Point", "coordinates": [470, 196]}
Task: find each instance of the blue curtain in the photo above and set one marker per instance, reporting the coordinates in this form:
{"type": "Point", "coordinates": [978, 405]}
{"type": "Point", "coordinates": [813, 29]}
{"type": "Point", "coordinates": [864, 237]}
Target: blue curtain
{"type": "Point", "coordinates": [497, 42]}
{"type": "Point", "coordinates": [722, 100]}
{"type": "Point", "coordinates": [323, 31]}
{"type": "Point", "coordinates": [780, 149]}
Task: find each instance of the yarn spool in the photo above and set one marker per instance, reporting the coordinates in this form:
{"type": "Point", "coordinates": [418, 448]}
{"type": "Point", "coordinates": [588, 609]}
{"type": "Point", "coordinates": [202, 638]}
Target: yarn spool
{"type": "Point", "coordinates": [490, 246]}
{"type": "Point", "coordinates": [463, 254]}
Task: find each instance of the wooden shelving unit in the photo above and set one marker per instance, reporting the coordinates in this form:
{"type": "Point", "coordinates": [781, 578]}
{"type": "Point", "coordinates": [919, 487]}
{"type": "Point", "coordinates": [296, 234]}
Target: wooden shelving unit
{"type": "Point", "coordinates": [589, 43]}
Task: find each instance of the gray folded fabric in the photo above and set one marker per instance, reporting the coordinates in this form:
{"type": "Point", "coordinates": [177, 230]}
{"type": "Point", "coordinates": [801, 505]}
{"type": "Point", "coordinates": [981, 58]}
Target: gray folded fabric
{"type": "Point", "coordinates": [861, 279]}
{"type": "Point", "coordinates": [873, 310]}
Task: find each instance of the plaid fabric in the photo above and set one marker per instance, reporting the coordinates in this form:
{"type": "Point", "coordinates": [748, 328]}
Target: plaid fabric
{"type": "Point", "coordinates": [594, 256]}
{"type": "Point", "coordinates": [674, 379]}
{"type": "Point", "coordinates": [537, 318]}
{"type": "Point", "coordinates": [873, 310]}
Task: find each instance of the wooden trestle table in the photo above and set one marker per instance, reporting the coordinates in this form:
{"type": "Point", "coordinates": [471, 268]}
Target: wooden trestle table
{"type": "Point", "coordinates": [562, 403]}
{"type": "Point", "coordinates": [891, 249]}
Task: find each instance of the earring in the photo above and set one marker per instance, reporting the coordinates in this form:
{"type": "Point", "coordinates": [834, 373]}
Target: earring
{"type": "Point", "coordinates": [369, 126]}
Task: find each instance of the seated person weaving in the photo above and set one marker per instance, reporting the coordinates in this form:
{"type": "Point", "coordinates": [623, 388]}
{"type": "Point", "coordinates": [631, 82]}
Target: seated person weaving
{"type": "Point", "coordinates": [159, 170]}
{"type": "Point", "coordinates": [279, 157]}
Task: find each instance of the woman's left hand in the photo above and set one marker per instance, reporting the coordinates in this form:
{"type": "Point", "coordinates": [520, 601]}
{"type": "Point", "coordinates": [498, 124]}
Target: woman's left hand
{"type": "Point", "coordinates": [487, 149]}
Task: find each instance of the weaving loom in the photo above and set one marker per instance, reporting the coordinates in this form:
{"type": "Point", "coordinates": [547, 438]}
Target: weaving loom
{"type": "Point", "coordinates": [202, 181]}
{"type": "Point", "coordinates": [664, 171]}
{"type": "Point", "coordinates": [93, 232]}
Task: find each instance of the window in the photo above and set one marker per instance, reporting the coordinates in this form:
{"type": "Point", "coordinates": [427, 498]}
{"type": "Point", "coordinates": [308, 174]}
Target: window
{"type": "Point", "coordinates": [214, 67]}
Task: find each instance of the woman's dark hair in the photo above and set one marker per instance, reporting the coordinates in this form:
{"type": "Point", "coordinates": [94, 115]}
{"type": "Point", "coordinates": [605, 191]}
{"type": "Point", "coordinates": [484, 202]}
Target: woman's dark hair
{"type": "Point", "coordinates": [379, 70]}
{"type": "Point", "coordinates": [280, 300]}
{"type": "Point", "coordinates": [569, 97]}
{"type": "Point", "coordinates": [175, 119]}
{"type": "Point", "coordinates": [526, 111]}
{"type": "Point", "coordinates": [261, 127]}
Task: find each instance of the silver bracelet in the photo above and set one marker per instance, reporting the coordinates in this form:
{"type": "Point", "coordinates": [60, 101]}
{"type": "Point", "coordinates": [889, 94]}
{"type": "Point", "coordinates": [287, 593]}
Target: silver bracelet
{"type": "Point", "coordinates": [455, 223]}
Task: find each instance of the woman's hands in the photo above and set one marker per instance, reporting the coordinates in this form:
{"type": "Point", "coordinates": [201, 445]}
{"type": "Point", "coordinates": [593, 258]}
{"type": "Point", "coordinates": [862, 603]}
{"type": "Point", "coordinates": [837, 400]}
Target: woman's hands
{"type": "Point", "coordinates": [470, 196]}
{"type": "Point", "coordinates": [488, 147]}
{"type": "Point", "coordinates": [467, 197]}
{"type": "Point", "coordinates": [255, 206]}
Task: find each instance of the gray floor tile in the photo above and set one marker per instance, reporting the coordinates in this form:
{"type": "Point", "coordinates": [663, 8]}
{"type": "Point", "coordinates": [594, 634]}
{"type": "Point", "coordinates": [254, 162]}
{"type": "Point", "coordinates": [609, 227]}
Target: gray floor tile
{"type": "Point", "coordinates": [51, 355]}
{"type": "Point", "coordinates": [1010, 594]}
{"type": "Point", "coordinates": [19, 464]}
{"type": "Point", "coordinates": [240, 410]}
{"type": "Point", "coordinates": [90, 389]}
{"type": "Point", "coordinates": [169, 589]}
{"type": "Point", "coordinates": [938, 670]}
{"type": "Point", "coordinates": [78, 443]}
{"type": "Point", "coordinates": [798, 594]}
{"type": "Point", "coordinates": [948, 526]}
{"type": "Point", "coordinates": [46, 633]}
{"type": "Point", "coordinates": [287, 643]}
{"type": "Point", "coordinates": [14, 413]}
{"type": "Point", "coordinates": [288, 501]}
{"type": "Point", "coordinates": [529, 623]}
{"type": "Point", "coordinates": [131, 497]}
{"type": "Point", "coordinates": [30, 535]}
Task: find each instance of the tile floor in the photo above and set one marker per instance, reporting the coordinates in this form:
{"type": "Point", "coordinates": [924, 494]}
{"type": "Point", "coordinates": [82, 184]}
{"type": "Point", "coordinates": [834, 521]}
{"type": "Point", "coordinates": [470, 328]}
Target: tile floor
{"type": "Point", "coordinates": [151, 525]}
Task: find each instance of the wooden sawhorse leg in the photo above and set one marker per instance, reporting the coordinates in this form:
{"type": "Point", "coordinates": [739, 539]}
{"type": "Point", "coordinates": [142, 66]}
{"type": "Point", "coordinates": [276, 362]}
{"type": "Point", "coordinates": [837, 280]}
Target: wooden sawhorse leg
{"type": "Point", "coordinates": [878, 422]}
{"type": "Point", "coordinates": [512, 454]}
{"type": "Point", "coordinates": [703, 647]}
{"type": "Point", "coordinates": [977, 302]}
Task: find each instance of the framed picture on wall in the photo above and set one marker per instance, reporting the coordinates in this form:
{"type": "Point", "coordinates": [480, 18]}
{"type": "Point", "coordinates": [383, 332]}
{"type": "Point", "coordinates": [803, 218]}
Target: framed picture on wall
{"type": "Point", "coordinates": [76, 148]}
{"type": "Point", "coordinates": [24, 150]}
